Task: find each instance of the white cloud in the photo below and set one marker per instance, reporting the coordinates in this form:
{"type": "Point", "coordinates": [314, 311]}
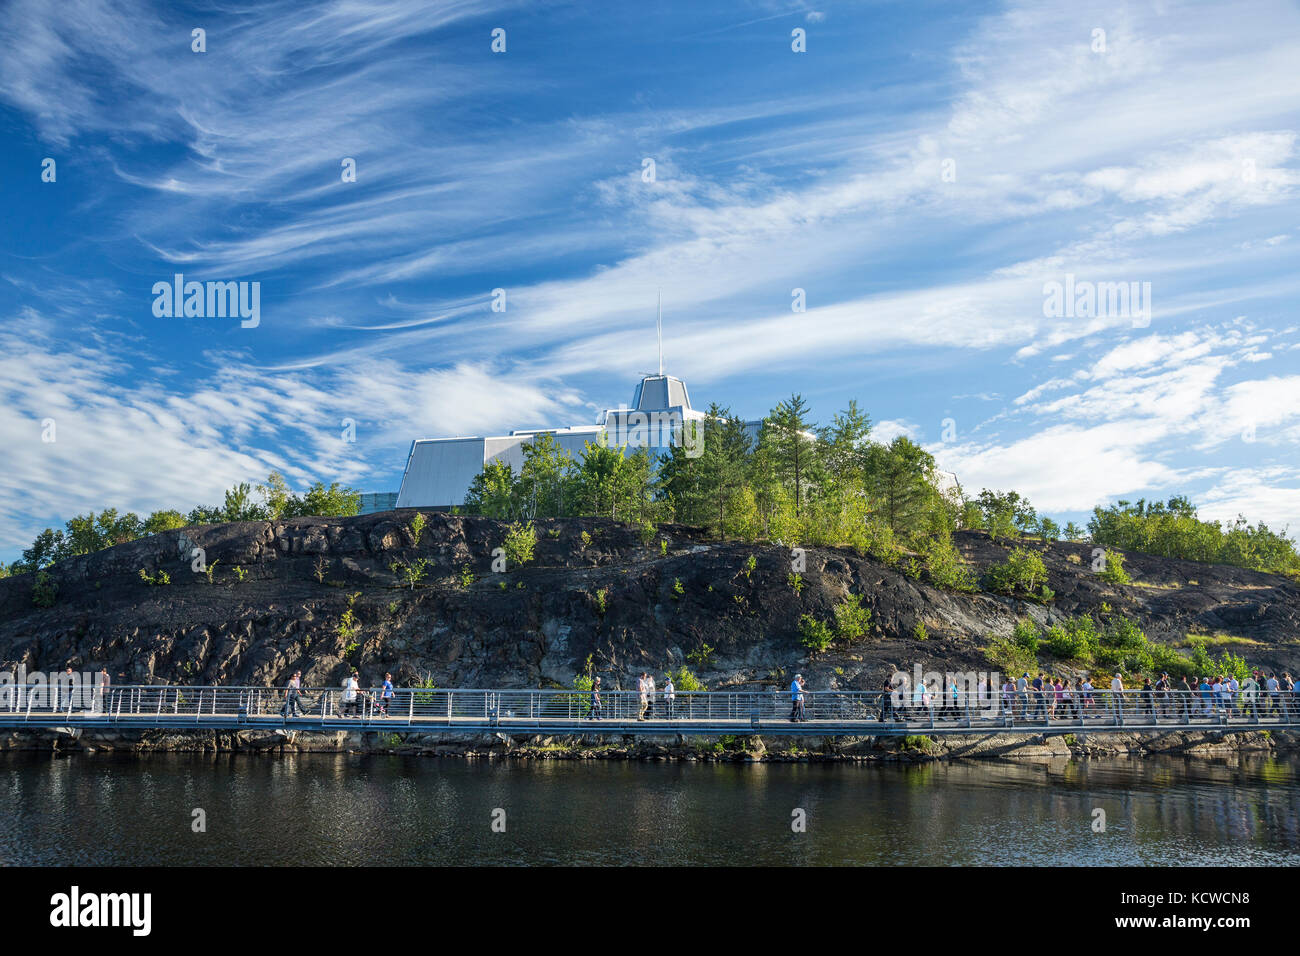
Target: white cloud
{"type": "Point", "coordinates": [129, 443]}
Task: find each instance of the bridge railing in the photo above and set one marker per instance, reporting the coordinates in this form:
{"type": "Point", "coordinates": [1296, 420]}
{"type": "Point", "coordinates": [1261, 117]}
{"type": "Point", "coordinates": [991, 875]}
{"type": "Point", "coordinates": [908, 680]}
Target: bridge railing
{"type": "Point", "coordinates": [177, 705]}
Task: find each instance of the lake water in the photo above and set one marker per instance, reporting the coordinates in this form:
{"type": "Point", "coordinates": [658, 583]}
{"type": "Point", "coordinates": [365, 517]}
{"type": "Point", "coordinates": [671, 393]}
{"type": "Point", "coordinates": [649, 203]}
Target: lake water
{"type": "Point", "coordinates": [102, 809]}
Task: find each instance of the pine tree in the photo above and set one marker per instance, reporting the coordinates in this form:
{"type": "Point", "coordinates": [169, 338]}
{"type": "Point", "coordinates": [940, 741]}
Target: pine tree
{"type": "Point", "coordinates": [723, 463]}
{"type": "Point", "coordinates": [900, 479]}
{"type": "Point", "coordinates": [793, 450]}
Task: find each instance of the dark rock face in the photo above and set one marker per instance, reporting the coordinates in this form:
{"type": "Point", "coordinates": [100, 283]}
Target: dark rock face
{"type": "Point", "coordinates": [537, 625]}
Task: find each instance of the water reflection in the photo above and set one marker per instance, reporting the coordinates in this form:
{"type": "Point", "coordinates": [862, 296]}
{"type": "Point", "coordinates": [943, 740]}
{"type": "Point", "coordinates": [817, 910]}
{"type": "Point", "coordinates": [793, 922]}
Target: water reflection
{"type": "Point", "coordinates": [382, 809]}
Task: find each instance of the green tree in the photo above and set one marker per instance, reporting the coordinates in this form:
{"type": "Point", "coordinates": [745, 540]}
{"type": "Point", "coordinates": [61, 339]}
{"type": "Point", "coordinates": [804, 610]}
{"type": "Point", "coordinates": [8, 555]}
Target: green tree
{"type": "Point", "coordinates": [45, 550]}
{"type": "Point", "coordinates": [332, 501]}
{"type": "Point", "coordinates": [852, 620]}
{"type": "Point", "coordinates": [492, 492]}
{"type": "Point", "coordinates": [545, 480]}
{"type": "Point", "coordinates": [611, 484]}
{"type": "Point", "coordinates": [1006, 513]}
{"type": "Point", "coordinates": [844, 446]}
{"type": "Point", "coordinates": [88, 533]}
{"type": "Point", "coordinates": [1023, 570]}
{"type": "Point", "coordinates": [164, 521]}
{"type": "Point", "coordinates": [723, 463]}
{"type": "Point", "coordinates": [521, 541]}
{"type": "Point", "coordinates": [814, 634]}
{"type": "Point", "coordinates": [45, 591]}
{"type": "Point", "coordinates": [278, 496]}
{"type": "Point", "coordinates": [680, 484]}
{"type": "Point", "coordinates": [240, 506]}
{"type": "Point", "coordinates": [793, 449]}
{"type": "Point", "coordinates": [204, 514]}
{"type": "Point", "coordinates": [900, 478]}
{"type": "Point", "coordinates": [320, 500]}
{"type": "Point", "coordinates": [1173, 529]}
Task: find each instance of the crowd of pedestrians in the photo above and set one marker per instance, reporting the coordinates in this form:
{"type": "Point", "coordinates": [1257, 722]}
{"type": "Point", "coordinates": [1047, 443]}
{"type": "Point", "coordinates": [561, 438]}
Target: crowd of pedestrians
{"type": "Point", "coordinates": [1042, 697]}
{"type": "Point", "coordinates": [1045, 697]}
{"type": "Point", "coordinates": [352, 699]}
{"type": "Point", "coordinates": [1048, 697]}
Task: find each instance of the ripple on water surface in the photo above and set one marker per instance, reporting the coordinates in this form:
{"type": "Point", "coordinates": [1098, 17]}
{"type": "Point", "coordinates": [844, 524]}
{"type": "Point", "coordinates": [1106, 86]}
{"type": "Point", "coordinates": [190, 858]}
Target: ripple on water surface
{"type": "Point", "coordinates": [333, 810]}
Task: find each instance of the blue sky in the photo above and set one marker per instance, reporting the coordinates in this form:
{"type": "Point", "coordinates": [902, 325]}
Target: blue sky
{"type": "Point", "coordinates": [921, 172]}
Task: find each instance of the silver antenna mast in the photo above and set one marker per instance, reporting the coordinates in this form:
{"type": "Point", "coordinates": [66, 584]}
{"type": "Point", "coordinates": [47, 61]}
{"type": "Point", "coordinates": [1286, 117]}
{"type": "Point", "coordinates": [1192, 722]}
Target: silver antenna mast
{"type": "Point", "coordinates": [659, 331]}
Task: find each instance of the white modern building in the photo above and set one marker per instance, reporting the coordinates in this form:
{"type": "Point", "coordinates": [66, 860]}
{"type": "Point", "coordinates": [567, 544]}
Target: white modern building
{"type": "Point", "coordinates": [439, 471]}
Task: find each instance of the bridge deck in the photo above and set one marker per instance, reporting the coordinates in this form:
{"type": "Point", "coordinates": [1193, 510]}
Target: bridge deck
{"type": "Point", "coordinates": [563, 713]}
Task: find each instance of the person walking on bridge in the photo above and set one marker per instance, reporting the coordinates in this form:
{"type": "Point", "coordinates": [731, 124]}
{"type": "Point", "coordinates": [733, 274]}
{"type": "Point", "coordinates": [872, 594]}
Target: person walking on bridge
{"type": "Point", "coordinates": [1250, 698]}
{"type": "Point", "coordinates": [650, 691]}
{"type": "Point", "coordinates": [351, 690]}
{"type": "Point", "coordinates": [386, 694]}
{"type": "Point", "coordinates": [595, 699]}
{"type": "Point", "coordinates": [101, 690]}
{"type": "Point", "coordinates": [1022, 695]}
{"type": "Point", "coordinates": [796, 699]}
{"type": "Point", "coordinates": [887, 692]}
{"type": "Point", "coordinates": [1274, 688]}
{"type": "Point", "coordinates": [1185, 700]}
{"type": "Point", "coordinates": [1146, 699]}
{"type": "Point", "coordinates": [642, 687]}
{"type": "Point", "coordinates": [670, 695]}
{"type": "Point", "coordinates": [1117, 694]}
{"type": "Point", "coordinates": [1085, 693]}
{"type": "Point", "coordinates": [64, 691]}
{"type": "Point", "coordinates": [292, 695]}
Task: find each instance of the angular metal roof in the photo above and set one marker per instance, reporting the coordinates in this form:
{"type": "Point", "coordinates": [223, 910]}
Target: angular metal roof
{"type": "Point", "coordinates": [660, 392]}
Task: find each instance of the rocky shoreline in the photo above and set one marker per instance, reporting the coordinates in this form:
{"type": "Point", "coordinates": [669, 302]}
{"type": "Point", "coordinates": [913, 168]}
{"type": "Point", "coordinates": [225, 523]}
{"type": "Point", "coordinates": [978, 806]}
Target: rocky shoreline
{"type": "Point", "coordinates": [1208, 744]}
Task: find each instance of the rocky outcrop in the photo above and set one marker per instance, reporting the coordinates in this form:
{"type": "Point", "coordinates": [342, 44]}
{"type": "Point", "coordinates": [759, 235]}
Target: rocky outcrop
{"type": "Point", "coordinates": [274, 597]}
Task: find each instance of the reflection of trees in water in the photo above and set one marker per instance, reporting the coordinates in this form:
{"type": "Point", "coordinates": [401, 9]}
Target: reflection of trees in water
{"type": "Point", "coordinates": [352, 809]}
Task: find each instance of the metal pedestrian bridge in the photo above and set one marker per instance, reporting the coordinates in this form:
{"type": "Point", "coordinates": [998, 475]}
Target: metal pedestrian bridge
{"type": "Point", "coordinates": [177, 708]}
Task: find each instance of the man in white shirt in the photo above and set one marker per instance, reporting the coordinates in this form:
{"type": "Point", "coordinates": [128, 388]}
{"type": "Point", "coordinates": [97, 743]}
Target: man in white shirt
{"type": "Point", "coordinates": [1117, 694]}
{"type": "Point", "coordinates": [1249, 697]}
{"type": "Point", "coordinates": [670, 694]}
{"type": "Point", "coordinates": [650, 695]}
{"type": "Point", "coordinates": [351, 686]}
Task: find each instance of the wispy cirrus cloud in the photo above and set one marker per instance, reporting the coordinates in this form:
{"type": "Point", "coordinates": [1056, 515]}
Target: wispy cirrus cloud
{"type": "Point", "coordinates": [919, 187]}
